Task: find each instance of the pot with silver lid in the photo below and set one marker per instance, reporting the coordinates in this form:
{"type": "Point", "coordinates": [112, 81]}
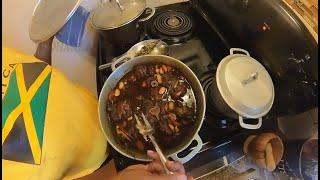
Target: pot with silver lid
{"type": "Point", "coordinates": [242, 88]}
{"type": "Point", "coordinates": [120, 21]}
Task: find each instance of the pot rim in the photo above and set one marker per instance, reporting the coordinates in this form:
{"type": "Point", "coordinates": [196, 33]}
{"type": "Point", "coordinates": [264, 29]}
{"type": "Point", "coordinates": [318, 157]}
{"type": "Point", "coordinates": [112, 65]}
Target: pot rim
{"type": "Point", "coordinates": [137, 59]}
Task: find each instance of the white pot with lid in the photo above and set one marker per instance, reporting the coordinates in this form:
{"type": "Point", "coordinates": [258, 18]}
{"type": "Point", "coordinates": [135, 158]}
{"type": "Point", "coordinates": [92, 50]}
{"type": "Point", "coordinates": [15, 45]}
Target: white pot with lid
{"type": "Point", "coordinates": [243, 89]}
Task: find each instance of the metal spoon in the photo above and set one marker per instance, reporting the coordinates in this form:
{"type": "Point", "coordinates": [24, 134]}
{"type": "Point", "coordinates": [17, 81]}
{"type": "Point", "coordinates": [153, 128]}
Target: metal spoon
{"type": "Point", "coordinates": [158, 48]}
{"type": "Point", "coordinates": [147, 131]}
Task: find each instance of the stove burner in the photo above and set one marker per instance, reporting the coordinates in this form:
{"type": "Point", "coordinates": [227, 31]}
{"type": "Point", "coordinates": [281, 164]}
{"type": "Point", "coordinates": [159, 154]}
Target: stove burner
{"type": "Point", "coordinates": [172, 27]}
{"type": "Point", "coordinates": [172, 23]}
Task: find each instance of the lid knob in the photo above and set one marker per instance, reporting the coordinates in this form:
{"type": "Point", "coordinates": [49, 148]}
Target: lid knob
{"type": "Point", "coordinates": [251, 78]}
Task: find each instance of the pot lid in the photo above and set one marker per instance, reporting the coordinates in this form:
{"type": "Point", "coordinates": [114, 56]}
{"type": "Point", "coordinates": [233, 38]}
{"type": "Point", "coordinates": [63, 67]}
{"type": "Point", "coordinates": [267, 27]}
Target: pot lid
{"type": "Point", "coordinates": [245, 85]}
{"type": "Point", "coordinates": [49, 16]}
{"type": "Point", "coordinates": [110, 16]}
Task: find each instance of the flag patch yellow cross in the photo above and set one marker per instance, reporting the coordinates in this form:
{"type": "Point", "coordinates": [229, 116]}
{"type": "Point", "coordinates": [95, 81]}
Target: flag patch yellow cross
{"type": "Point", "coordinates": [23, 112]}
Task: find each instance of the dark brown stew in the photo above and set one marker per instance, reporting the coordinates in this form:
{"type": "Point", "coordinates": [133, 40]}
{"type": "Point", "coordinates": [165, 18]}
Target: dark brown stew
{"type": "Point", "coordinates": [165, 97]}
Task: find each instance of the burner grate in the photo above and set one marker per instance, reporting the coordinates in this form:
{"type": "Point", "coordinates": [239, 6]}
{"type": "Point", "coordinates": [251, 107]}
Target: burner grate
{"type": "Point", "coordinates": [172, 23]}
{"type": "Point", "coordinates": [173, 26]}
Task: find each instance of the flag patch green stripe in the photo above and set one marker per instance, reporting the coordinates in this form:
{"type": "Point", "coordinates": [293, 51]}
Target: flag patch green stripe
{"type": "Point", "coordinates": [11, 99]}
{"type": "Point", "coordinates": [38, 107]}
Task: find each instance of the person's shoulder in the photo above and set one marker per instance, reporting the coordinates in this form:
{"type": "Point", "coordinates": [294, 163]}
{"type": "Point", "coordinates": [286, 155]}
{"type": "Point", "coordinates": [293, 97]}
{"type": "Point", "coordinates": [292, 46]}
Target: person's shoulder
{"type": "Point", "coordinates": [14, 56]}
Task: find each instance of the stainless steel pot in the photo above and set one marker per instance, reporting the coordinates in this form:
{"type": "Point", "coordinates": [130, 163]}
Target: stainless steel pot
{"type": "Point", "coordinates": [121, 26]}
{"type": "Point", "coordinates": [200, 105]}
{"type": "Point", "coordinates": [129, 33]}
{"type": "Point", "coordinates": [242, 88]}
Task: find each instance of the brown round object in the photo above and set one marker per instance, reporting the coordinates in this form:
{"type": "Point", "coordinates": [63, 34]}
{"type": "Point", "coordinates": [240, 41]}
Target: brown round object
{"type": "Point", "coordinates": [257, 154]}
{"type": "Point", "coordinates": [247, 142]}
{"type": "Point", "coordinates": [277, 149]}
{"type": "Point", "coordinates": [260, 162]}
{"type": "Point", "coordinates": [262, 140]}
{"type": "Point", "coordinates": [270, 163]}
{"type": "Point", "coordinates": [253, 152]}
{"type": "Point", "coordinates": [257, 148]}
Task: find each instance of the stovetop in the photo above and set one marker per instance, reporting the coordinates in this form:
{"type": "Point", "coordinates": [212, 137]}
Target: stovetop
{"type": "Point", "coordinates": [201, 48]}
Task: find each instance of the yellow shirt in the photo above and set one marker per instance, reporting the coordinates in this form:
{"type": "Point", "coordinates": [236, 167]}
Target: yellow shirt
{"type": "Point", "coordinates": [50, 127]}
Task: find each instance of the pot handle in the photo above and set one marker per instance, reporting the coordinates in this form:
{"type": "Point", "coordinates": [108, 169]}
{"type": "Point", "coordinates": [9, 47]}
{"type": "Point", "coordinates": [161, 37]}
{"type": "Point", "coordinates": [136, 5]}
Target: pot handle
{"type": "Point", "coordinates": [120, 60]}
{"type": "Point", "coordinates": [250, 126]}
{"type": "Point", "coordinates": [232, 50]}
{"type": "Point", "coordinates": [104, 66]}
{"type": "Point", "coordinates": [191, 154]}
{"type": "Point", "coordinates": [152, 11]}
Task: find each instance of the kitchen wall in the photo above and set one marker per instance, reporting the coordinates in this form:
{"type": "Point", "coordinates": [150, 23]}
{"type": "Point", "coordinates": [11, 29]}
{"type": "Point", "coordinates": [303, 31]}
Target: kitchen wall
{"type": "Point", "coordinates": [15, 24]}
{"type": "Point", "coordinates": [78, 64]}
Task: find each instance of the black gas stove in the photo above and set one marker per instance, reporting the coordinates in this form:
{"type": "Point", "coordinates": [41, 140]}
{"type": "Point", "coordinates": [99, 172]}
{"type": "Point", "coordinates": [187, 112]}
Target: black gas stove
{"type": "Point", "coordinates": [195, 40]}
{"type": "Point", "coordinates": [192, 41]}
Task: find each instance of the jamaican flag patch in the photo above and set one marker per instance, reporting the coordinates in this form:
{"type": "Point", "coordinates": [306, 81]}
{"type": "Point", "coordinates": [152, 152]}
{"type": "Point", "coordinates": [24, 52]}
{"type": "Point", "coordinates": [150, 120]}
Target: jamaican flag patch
{"type": "Point", "coordinates": [23, 112]}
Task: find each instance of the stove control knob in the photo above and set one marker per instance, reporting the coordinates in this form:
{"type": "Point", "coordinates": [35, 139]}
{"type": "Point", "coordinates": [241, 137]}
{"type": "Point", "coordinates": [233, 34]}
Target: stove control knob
{"type": "Point", "coordinates": [222, 124]}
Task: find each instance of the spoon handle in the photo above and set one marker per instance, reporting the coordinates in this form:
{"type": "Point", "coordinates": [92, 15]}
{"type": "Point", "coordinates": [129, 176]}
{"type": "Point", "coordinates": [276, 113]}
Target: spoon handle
{"type": "Point", "coordinates": [104, 66]}
{"type": "Point", "coordinates": [163, 159]}
{"type": "Point", "coordinates": [114, 62]}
